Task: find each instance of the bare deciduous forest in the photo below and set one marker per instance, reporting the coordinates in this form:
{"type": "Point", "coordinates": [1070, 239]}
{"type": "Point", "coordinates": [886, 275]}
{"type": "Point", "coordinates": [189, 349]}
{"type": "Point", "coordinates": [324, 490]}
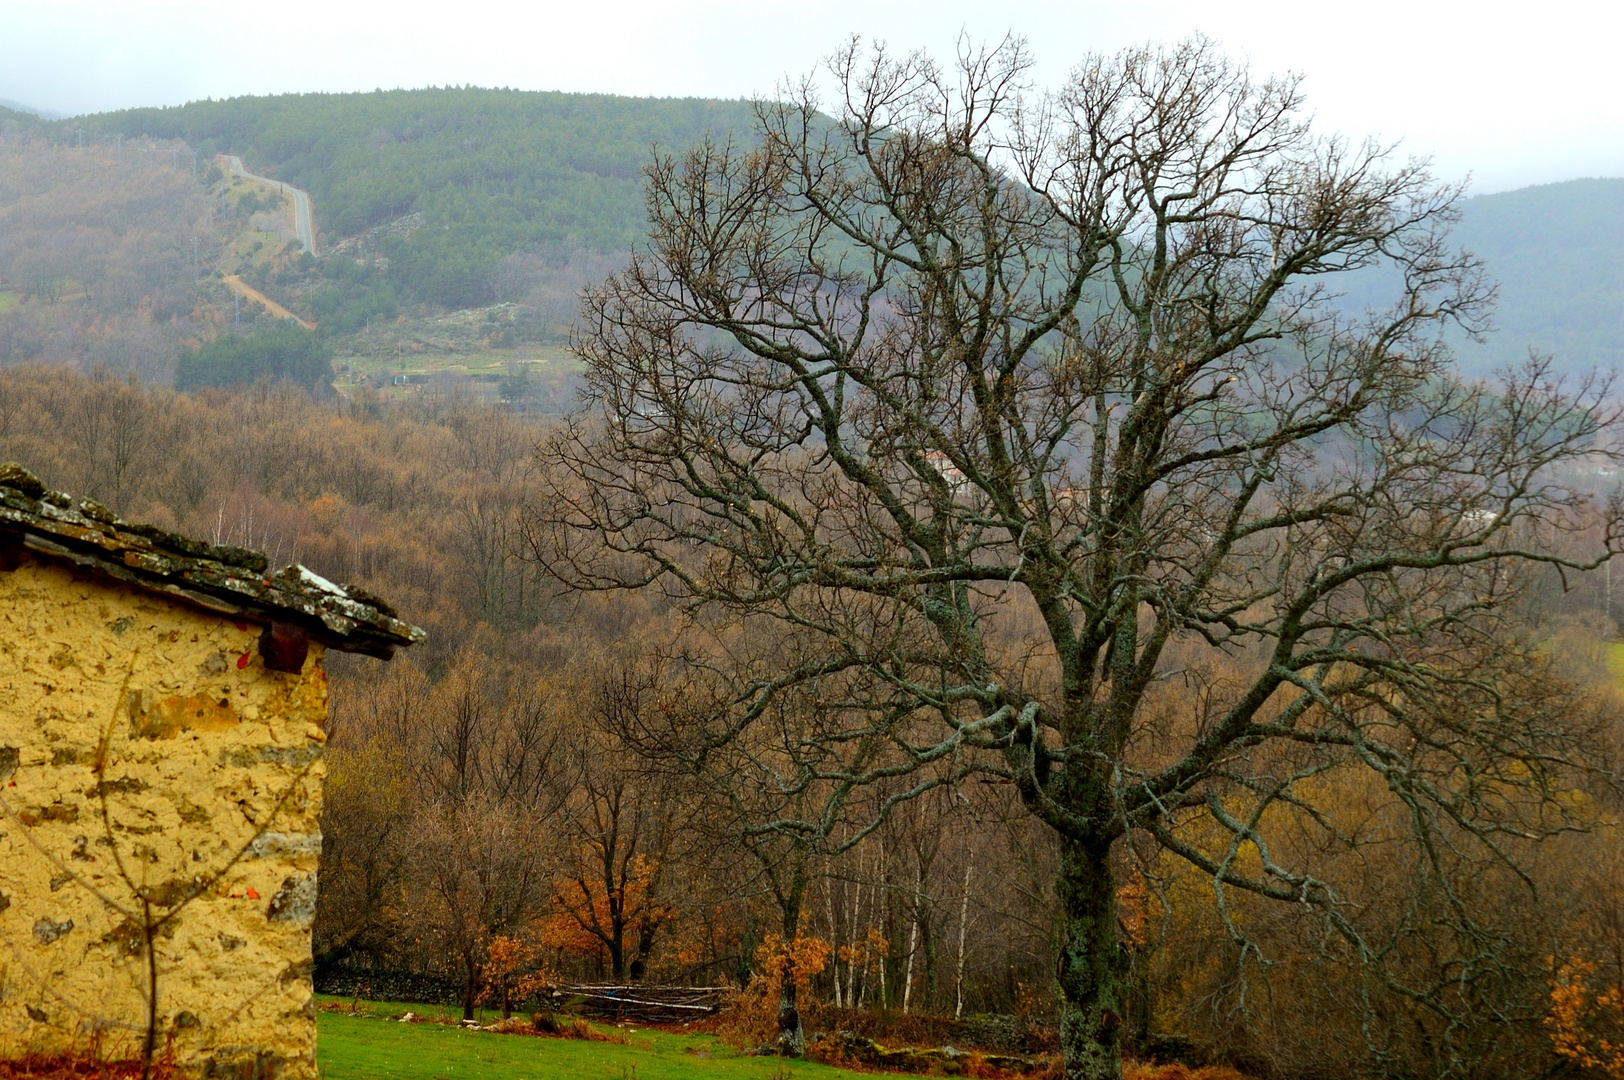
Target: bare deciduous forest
{"type": "Point", "coordinates": [101, 259]}
{"type": "Point", "coordinates": [482, 789]}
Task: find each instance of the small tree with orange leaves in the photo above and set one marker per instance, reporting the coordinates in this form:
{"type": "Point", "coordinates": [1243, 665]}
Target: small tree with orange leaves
{"type": "Point", "coordinates": [779, 966]}
{"type": "Point", "coordinates": [511, 972]}
{"type": "Point", "coordinates": [606, 906]}
{"type": "Point", "coordinates": [1586, 1027]}
{"type": "Point", "coordinates": [794, 961]}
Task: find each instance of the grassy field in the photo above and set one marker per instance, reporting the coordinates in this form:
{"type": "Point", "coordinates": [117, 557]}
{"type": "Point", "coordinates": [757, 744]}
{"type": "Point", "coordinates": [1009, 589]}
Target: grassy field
{"type": "Point", "coordinates": [544, 358]}
{"type": "Point", "coordinates": [370, 1046]}
{"type": "Point", "coordinates": [9, 300]}
{"type": "Point", "coordinates": [552, 370]}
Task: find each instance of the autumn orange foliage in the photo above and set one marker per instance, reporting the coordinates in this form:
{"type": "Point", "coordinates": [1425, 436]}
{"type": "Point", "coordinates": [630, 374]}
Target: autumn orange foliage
{"type": "Point", "coordinates": [511, 974]}
{"type": "Point", "coordinates": [1587, 1028]}
{"type": "Point", "coordinates": [588, 914]}
{"type": "Point", "coordinates": [798, 960]}
{"type": "Point", "coordinates": [864, 955]}
{"type": "Point", "coordinates": [1135, 1070]}
{"type": "Point", "coordinates": [751, 1017]}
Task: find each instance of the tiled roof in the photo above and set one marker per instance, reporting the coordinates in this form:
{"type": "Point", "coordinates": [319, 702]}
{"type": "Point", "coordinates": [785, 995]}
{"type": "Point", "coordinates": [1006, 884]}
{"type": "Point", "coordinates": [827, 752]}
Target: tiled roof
{"type": "Point", "coordinates": [233, 581]}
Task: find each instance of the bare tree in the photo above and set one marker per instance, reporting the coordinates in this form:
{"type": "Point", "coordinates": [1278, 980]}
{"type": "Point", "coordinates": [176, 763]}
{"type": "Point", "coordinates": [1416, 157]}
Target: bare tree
{"type": "Point", "coordinates": [1007, 405]}
{"type": "Point", "coordinates": [478, 860]}
{"type": "Point", "coordinates": [483, 764]}
{"type": "Point", "coordinates": [616, 816]}
{"type": "Point", "coordinates": [781, 791]}
{"type": "Point", "coordinates": [367, 821]}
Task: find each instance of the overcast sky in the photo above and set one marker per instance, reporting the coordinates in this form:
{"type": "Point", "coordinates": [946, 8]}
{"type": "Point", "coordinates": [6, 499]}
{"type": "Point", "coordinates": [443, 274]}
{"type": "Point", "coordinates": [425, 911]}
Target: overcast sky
{"type": "Point", "coordinates": [1512, 95]}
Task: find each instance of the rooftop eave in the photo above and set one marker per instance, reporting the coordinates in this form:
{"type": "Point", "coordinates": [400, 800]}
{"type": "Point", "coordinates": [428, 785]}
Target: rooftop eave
{"type": "Point", "coordinates": [229, 580]}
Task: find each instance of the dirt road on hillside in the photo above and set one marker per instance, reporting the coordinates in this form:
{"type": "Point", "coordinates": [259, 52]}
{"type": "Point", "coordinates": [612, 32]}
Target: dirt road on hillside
{"type": "Point", "coordinates": [248, 292]}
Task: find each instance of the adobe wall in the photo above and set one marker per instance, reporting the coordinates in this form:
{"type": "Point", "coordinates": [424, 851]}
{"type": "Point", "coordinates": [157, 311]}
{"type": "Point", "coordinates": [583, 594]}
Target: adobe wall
{"type": "Point", "coordinates": [149, 760]}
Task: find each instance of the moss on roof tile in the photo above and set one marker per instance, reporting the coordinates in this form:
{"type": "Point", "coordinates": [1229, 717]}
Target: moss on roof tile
{"type": "Point", "coordinates": [220, 577]}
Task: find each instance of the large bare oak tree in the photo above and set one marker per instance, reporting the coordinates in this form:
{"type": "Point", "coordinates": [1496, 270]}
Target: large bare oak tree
{"type": "Point", "coordinates": [993, 402]}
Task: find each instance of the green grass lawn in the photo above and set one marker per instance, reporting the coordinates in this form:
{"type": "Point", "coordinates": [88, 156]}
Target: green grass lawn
{"type": "Point", "coordinates": [9, 300]}
{"type": "Point", "coordinates": [370, 1045]}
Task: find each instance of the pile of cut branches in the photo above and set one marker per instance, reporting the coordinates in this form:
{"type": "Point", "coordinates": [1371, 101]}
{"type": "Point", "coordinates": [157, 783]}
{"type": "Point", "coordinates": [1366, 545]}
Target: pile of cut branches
{"type": "Point", "coordinates": [644, 1004]}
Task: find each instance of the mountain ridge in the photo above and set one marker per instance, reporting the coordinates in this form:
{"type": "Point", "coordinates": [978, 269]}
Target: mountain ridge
{"type": "Point", "coordinates": [1557, 252]}
{"type": "Point", "coordinates": [493, 171]}
{"type": "Point", "coordinates": [498, 174]}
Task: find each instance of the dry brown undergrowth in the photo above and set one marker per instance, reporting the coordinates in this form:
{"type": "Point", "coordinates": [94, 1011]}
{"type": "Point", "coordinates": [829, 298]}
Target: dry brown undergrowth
{"type": "Point", "coordinates": [78, 1066]}
{"type": "Point", "coordinates": [1134, 1070]}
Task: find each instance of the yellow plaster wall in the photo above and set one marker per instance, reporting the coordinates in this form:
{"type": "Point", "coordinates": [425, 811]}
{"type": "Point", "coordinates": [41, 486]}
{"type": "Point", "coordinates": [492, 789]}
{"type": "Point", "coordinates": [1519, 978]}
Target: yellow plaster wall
{"type": "Point", "coordinates": [154, 773]}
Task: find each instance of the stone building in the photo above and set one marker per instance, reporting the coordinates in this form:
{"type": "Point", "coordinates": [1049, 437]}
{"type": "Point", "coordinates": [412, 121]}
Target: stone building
{"type": "Point", "coordinates": [162, 704]}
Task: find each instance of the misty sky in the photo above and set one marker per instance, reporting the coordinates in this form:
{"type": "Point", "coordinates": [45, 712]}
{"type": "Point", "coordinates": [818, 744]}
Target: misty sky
{"type": "Point", "coordinates": [1514, 96]}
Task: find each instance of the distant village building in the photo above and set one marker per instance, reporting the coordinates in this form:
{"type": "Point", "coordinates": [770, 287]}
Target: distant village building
{"type": "Point", "coordinates": [950, 472]}
{"type": "Point", "coordinates": [162, 704]}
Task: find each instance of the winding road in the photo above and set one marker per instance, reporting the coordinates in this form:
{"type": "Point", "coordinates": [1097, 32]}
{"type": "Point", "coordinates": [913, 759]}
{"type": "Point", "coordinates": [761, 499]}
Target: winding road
{"type": "Point", "coordinates": [301, 202]}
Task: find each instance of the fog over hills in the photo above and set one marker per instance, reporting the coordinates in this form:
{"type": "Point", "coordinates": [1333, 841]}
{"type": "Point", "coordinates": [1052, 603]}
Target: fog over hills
{"type": "Point", "coordinates": [18, 106]}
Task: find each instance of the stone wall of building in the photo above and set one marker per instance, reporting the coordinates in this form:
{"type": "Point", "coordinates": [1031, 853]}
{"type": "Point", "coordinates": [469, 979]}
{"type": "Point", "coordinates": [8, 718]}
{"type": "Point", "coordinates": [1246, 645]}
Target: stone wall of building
{"type": "Point", "coordinates": [156, 783]}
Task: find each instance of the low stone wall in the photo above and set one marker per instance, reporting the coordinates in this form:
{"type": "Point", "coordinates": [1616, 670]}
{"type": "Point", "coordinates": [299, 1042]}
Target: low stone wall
{"type": "Point", "coordinates": [374, 984]}
{"type": "Point", "coordinates": [1003, 1033]}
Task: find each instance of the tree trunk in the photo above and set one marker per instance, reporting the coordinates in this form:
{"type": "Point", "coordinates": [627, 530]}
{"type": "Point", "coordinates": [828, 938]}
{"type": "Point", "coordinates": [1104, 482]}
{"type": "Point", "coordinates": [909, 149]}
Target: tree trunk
{"type": "Point", "coordinates": [913, 949]}
{"type": "Point", "coordinates": [1093, 966]}
{"type": "Point", "coordinates": [791, 1035]}
{"type": "Point", "coordinates": [470, 988]}
{"type": "Point", "coordinates": [930, 945]}
{"type": "Point", "coordinates": [964, 915]}
{"type": "Point", "coordinates": [834, 934]}
{"type": "Point", "coordinates": [852, 987]}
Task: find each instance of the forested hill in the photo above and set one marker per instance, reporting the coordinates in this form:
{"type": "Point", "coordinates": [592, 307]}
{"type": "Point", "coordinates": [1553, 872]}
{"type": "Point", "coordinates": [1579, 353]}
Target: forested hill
{"type": "Point", "coordinates": [490, 171]}
{"type": "Point", "coordinates": [485, 173]}
{"type": "Point", "coordinates": [10, 117]}
{"type": "Point", "coordinates": [1558, 252]}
